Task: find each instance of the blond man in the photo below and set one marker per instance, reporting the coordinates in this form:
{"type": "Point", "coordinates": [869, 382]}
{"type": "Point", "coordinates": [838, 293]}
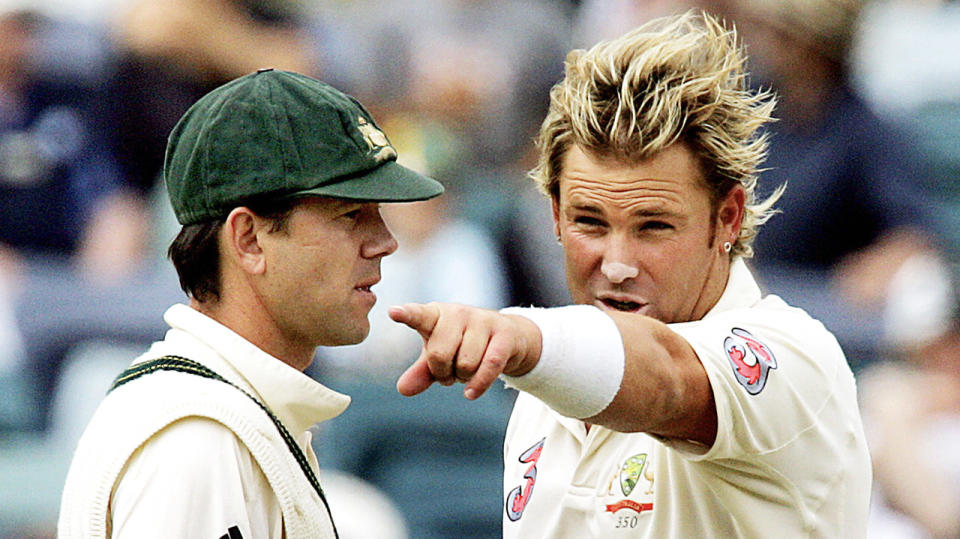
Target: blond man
{"type": "Point", "coordinates": [675, 400]}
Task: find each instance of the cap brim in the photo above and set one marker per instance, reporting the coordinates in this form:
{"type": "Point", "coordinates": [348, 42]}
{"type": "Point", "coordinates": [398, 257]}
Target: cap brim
{"type": "Point", "coordinates": [390, 182]}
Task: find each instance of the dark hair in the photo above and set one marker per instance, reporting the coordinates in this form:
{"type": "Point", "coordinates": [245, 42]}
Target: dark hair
{"type": "Point", "coordinates": [195, 252]}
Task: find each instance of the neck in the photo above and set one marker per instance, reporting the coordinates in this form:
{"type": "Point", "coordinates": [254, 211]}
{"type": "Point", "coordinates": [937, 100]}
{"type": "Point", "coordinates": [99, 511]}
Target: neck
{"type": "Point", "coordinates": [253, 327]}
{"type": "Point", "coordinates": [713, 287]}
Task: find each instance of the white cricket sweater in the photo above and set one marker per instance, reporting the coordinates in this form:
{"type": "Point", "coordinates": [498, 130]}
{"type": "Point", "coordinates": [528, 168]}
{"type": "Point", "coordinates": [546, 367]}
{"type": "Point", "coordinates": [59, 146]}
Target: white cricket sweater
{"type": "Point", "coordinates": [243, 476]}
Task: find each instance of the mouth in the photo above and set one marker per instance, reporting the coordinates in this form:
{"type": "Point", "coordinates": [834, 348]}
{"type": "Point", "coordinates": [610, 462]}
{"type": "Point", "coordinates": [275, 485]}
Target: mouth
{"type": "Point", "coordinates": [621, 304]}
{"type": "Point", "coordinates": [366, 286]}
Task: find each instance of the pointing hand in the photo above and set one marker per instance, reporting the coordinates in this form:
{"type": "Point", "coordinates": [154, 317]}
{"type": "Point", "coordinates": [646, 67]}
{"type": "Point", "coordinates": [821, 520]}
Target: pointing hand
{"type": "Point", "coordinates": [466, 344]}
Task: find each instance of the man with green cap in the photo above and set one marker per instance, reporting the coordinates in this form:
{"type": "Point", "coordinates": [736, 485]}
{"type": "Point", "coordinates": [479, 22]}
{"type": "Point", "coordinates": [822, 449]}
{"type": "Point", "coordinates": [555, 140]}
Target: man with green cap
{"type": "Point", "coordinates": [276, 179]}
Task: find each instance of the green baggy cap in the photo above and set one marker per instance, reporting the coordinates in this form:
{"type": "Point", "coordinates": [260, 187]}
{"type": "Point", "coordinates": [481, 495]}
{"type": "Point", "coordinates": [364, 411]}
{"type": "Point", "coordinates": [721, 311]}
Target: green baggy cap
{"type": "Point", "coordinates": [276, 134]}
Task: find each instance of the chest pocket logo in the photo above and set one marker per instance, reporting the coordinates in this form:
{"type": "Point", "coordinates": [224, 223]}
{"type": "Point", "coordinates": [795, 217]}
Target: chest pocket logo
{"type": "Point", "coordinates": [519, 497]}
{"type": "Point", "coordinates": [751, 360]}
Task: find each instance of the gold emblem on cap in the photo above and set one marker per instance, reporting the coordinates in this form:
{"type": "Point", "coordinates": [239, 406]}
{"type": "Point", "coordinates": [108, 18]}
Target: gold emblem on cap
{"type": "Point", "coordinates": [376, 140]}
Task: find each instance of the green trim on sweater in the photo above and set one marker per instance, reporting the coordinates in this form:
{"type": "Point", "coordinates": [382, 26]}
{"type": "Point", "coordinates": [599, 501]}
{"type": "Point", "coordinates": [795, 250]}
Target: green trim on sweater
{"type": "Point", "coordinates": [182, 364]}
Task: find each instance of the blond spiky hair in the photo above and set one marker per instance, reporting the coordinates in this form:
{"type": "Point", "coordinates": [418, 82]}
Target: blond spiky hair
{"type": "Point", "coordinates": [678, 78]}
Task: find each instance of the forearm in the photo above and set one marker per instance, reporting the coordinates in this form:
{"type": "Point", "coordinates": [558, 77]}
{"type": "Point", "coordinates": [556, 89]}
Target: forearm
{"type": "Point", "coordinates": [634, 375]}
{"type": "Point", "coordinates": [665, 389]}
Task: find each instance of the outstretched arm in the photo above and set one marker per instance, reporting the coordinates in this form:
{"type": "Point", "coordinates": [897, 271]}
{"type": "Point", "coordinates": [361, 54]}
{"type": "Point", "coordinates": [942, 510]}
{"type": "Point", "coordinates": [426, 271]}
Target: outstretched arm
{"type": "Point", "coordinates": [664, 388]}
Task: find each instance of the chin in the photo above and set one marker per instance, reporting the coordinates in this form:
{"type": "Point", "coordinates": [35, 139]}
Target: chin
{"type": "Point", "coordinates": [348, 336]}
{"type": "Point", "coordinates": [358, 337]}
{"type": "Point", "coordinates": [343, 341]}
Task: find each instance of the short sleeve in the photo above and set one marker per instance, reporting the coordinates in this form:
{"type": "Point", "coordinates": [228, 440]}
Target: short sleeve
{"type": "Point", "coordinates": [774, 372]}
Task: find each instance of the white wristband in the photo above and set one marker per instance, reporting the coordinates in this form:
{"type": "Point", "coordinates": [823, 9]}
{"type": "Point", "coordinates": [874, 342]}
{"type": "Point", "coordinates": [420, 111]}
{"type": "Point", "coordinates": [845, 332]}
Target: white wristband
{"type": "Point", "coordinates": [581, 360]}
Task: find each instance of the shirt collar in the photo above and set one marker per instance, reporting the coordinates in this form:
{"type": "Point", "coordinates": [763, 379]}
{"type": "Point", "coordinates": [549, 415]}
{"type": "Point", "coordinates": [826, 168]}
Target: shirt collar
{"type": "Point", "coordinates": [296, 399]}
{"type": "Point", "coordinates": [741, 291]}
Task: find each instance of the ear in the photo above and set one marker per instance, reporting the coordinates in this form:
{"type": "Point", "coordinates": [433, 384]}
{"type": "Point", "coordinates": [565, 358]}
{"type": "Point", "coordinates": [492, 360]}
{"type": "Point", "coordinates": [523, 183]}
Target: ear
{"type": "Point", "coordinates": [556, 216]}
{"type": "Point", "coordinates": [730, 215]}
{"type": "Point", "coordinates": [241, 240]}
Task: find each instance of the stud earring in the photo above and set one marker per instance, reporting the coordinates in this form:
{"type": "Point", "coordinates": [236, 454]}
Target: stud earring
{"type": "Point", "coordinates": [727, 246]}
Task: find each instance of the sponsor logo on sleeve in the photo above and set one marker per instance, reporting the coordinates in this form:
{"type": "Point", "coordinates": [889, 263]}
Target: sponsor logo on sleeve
{"type": "Point", "coordinates": [751, 359]}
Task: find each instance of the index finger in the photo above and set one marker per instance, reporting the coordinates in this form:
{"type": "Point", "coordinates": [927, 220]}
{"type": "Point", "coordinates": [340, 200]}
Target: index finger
{"type": "Point", "coordinates": [418, 316]}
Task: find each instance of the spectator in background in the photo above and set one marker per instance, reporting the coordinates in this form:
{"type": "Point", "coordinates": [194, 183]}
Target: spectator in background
{"type": "Point", "coordinates": [854, 209]}
{"type": "Point", "coordinates": [606, 19]}
{"type": "Point", "coordinates": [171, 52]}
{"type": "Point", "coordinates": [478, 70]}
{"type": "Point", "coordinates": [911, 406]}
{"type": "Point", "coordinates": [63, 199]}
{"type": "Point", "coordinates": [904, 63]}
{"type": "Point", "coordinates": [65, 206]}
{"type": "Point", "coordinates": [483, 66]}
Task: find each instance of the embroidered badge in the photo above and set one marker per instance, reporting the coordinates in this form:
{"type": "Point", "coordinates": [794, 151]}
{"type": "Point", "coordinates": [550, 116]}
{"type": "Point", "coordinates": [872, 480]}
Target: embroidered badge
{"type": "Point", "coordinates": [751, 360]}
{"type": "Point", "coordinates": [628, 476]}
{"type": "Point", "coordinates": [519, 497]}
{"type": "Point", "coordinates": [376, 140]}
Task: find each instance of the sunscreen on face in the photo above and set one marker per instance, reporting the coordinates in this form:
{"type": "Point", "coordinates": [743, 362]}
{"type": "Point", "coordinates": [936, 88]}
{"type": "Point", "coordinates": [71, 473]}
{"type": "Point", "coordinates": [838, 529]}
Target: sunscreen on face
{"type": "Point", "coordinates": [617, 272]}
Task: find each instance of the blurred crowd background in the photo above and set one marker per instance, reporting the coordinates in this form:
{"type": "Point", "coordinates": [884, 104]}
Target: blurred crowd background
{"type": "Point", "coordinates": [868, 143]}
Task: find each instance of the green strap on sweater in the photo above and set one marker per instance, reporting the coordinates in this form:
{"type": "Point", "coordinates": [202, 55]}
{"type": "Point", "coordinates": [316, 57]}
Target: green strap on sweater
{"type": "Point", "coordinates": [182, 364]}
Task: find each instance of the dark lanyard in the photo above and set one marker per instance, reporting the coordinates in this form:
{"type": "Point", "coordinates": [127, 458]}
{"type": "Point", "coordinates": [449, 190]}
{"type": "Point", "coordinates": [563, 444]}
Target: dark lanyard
{"type": "Point", "coordinates": [182, 364]}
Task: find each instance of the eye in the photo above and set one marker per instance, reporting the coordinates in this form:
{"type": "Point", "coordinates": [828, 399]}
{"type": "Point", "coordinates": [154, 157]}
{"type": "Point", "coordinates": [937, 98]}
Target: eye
{"type": "Point", "coordinates": [587, 221]}
{"type": "Point", "coordinates": [352, 215]}
{"type": "Point", "coordinates": [656, 225]}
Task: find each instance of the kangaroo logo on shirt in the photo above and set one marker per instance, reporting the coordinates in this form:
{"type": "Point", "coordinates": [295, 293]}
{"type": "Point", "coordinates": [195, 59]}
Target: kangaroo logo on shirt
{"type": "Point", "coordinates": [751, 360]}
{"type": "Point", "coordinates": [629, 476]}
{"type": "Point", "coordinates": [519, 497]}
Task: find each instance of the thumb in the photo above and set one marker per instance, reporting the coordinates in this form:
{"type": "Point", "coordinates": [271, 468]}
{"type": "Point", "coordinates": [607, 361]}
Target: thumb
{"type": "Point", "coordinates": [416, 379]}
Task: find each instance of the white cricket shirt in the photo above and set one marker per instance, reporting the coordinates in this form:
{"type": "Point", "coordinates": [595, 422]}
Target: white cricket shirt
{"type": "Point", "coordinates": [790, 459]}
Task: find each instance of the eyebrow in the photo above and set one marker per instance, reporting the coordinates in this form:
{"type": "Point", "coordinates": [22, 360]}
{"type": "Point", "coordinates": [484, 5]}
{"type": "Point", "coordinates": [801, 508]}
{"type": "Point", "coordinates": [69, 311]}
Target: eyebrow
{"type": "Point", "coordinates": [641, 212]}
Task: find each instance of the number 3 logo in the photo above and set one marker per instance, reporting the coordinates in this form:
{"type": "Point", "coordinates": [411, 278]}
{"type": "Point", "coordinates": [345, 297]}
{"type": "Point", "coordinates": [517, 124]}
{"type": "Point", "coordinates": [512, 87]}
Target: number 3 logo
{"type": "Point", "coordinates": [518, 498]}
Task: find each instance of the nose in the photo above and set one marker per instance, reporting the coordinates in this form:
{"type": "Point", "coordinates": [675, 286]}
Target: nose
{"type": "Point", "coordinates": [617, 272]}
{"type": "Point", "coordinates": [381, 242]}
{"type": "Point", "coordinates": [613, 267]}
